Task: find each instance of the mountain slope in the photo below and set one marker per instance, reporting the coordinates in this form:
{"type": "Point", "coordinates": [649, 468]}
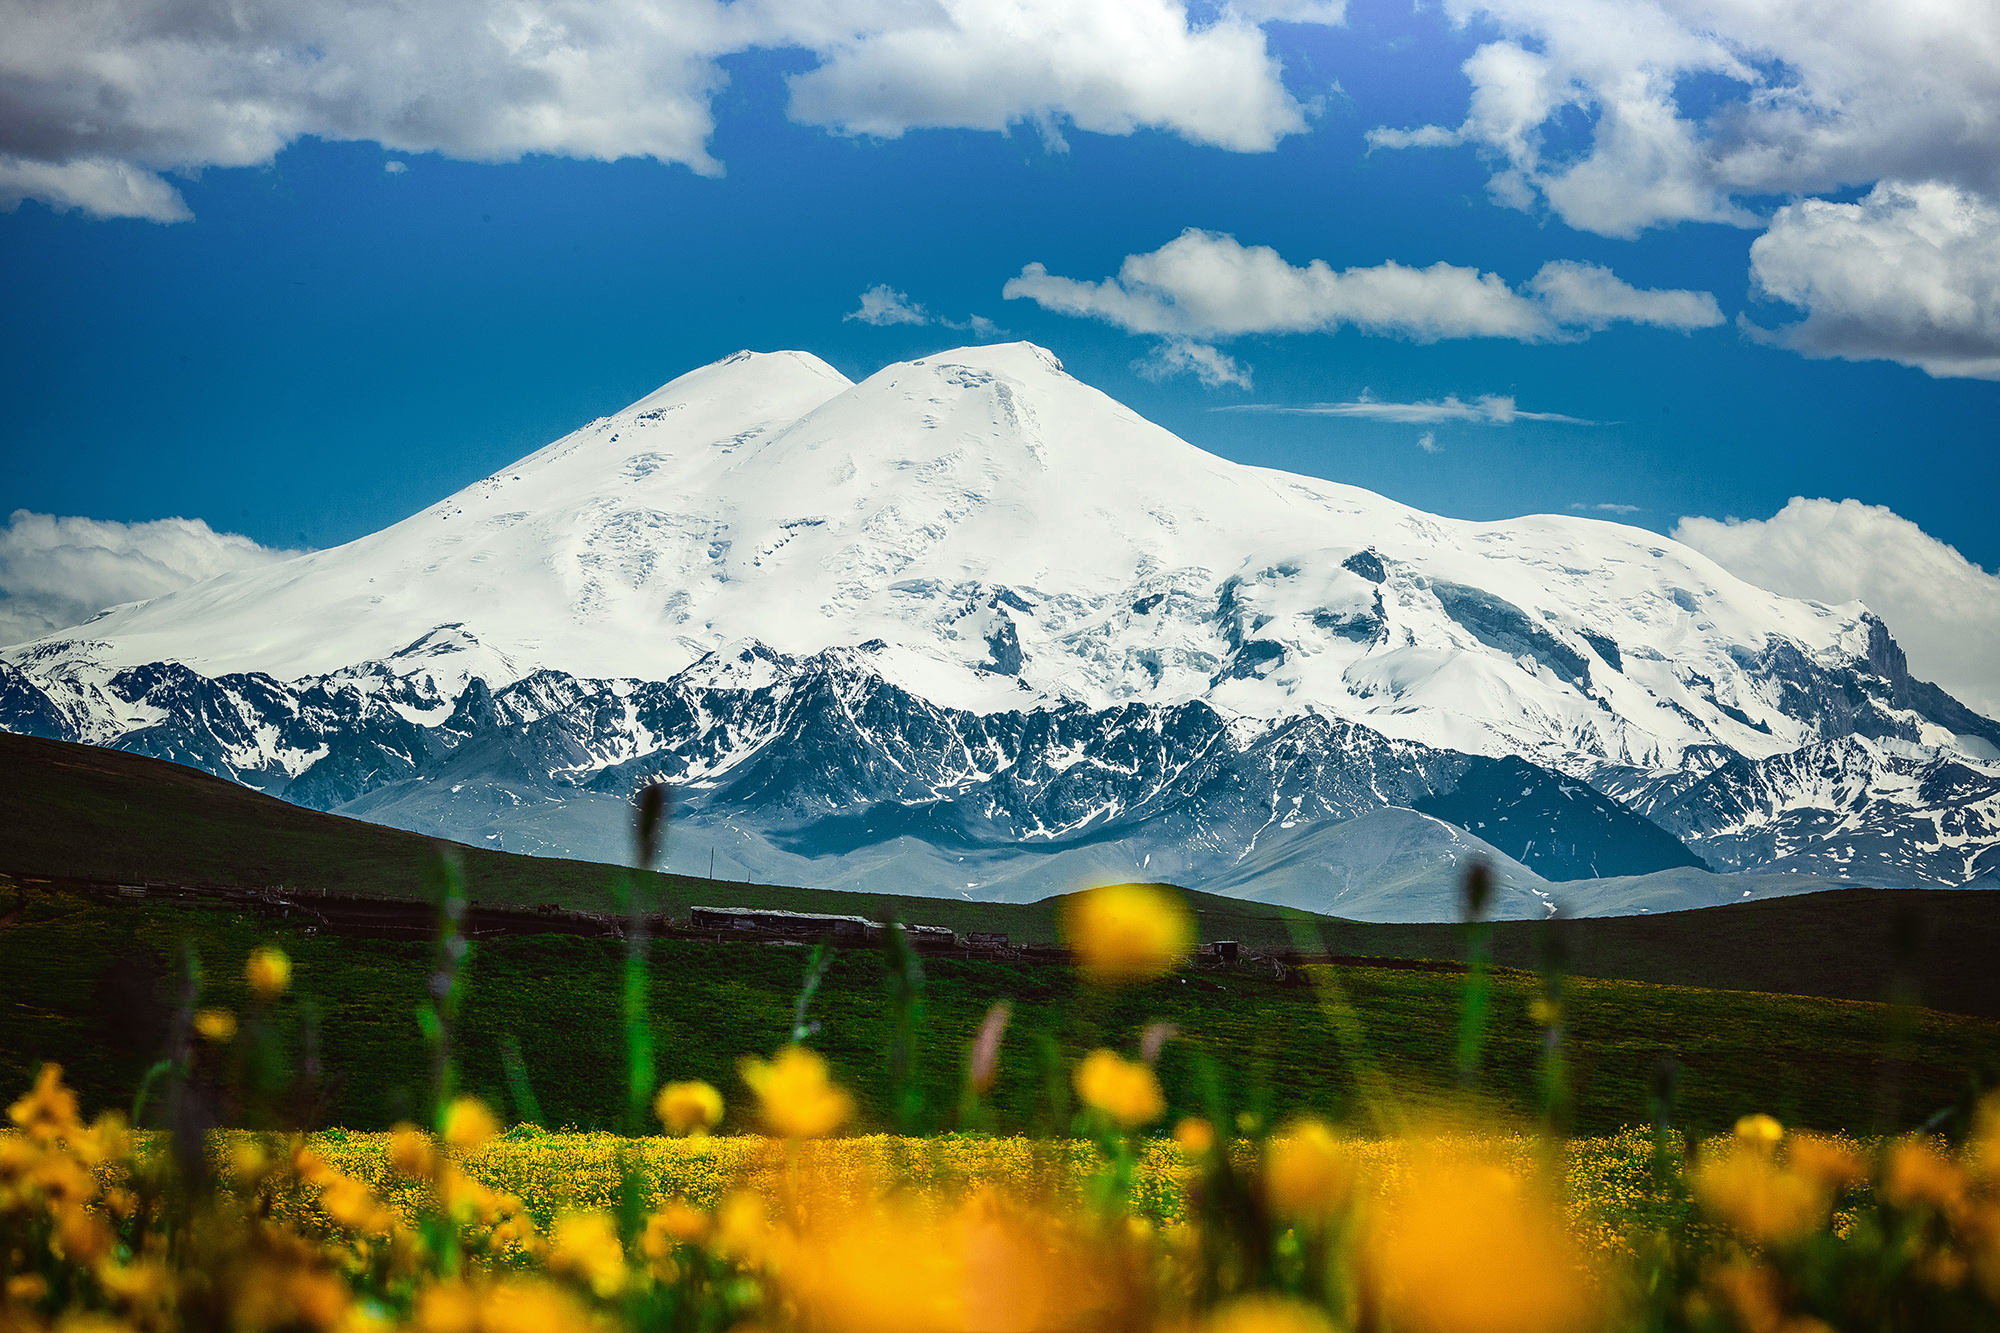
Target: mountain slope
{"type": "Point", "coordinates": [971, 608]}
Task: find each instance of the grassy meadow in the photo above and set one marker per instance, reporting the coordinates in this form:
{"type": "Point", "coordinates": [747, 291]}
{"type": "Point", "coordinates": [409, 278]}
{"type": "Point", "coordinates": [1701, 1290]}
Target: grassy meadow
{"type": "Point", "coordinates": [231, 1123]}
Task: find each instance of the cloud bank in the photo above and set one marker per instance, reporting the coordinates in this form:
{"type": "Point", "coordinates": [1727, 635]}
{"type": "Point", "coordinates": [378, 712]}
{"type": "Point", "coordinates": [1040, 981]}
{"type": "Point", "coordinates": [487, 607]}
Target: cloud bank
{"type": "Point", "coordinates": [103, 96]}
{"type": "Point", "coordinates": [1943, 609]}
{"type": "Point", "coordinates": [1910, 274]}
{"type": "Point", "coordinates": [1204, 286]}
{"type": "Point", "coordinates": [1685, 108]}
{"type": "Point", "coordinates": [58, 572]}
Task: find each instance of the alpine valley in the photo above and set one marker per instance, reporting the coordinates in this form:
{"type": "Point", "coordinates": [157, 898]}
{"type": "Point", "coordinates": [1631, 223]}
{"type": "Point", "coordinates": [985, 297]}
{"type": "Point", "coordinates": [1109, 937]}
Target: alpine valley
{"type": "Point", "coordinates": [971, 627]}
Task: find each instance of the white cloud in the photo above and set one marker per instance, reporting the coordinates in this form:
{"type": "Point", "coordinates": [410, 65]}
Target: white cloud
{"type": "Point", "coordinates": [58, 572]}
{"type": "Point", "coordinates": [395, 168]}
{"type": "Point", "coordinates": [1489, 408]}
{"type": "Point", "coordinates": [1181, 356]}
{"type": "Point", "coordinates": [1943, 609]}
{"type": "Point", "coordinates": [100, 187]}
{"type": "Point", "coordinates": [1428, 442]}
{"type": "Point", "coordinates": [1909, 274]}
{"type": "Point", "coordinates": [883, 304]}
{"type": "Point", "coordinates": [1589, 296]}
{"type": "Point", "coordinates": [103, 96]}
{"type": "Point", "coordinates": [1204, 285]}
{"type": "Point", "coordinates": [1606, 508]}
{"type": "Point", "coordinates": [1110, 66]}
{"type": "Point", "coordinates": [1693, 106]}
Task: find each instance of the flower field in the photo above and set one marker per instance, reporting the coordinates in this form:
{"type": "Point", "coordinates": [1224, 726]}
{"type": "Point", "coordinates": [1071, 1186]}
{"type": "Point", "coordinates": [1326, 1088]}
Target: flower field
{"type": "Point", "coordinates": [775, 1209]}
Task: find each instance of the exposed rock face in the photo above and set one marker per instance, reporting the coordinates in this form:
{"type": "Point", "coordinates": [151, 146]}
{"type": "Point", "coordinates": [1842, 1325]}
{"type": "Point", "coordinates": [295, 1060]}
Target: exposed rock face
{"type": "Point", "coordinates": [975, 619]}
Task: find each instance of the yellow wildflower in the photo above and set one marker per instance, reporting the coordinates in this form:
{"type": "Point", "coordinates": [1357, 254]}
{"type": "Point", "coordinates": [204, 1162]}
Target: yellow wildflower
{"type": "Point", "coordinates": [1917, 1173]}
{"type": "Point", "coordinates": [27, 1288]}
{"type": "Point", "coordinates": [692, 1107]}
{"type": "Point", "coordinates": [467, 1123]}
{"type": "Point", "coordinates": [741, 1229]}
{"type": "Point", "coordinates": [48, 1111]}
{"type": "Point", "coordinates": [1470, 1249]}
{"type": "Point", "coordinates": [410, 1151]}
{"type": "Point", "coordinates": [797, 1099]}
{"type": "Point", "coordinates": [1308, 1172]}
{"type": "Point", "coordinates": [1123, 1089]}
{"type": "Point", "coordinates": [1827, 1161]}
{"type": "Point", "coordinates": [447, 1307]}
{"type": "Point", "coordinates": [1195, 1135]}
{"type": "Point", "coordinates": [531, 1307]}
{"type": "Point", "coordinates": [1127, 932]}
{"type": "Point", "coordinates": [1759, 1131]}
{"type": "Point", "coordinates": [586, 1246]}
{"type": "Point", "coordinates": [1761, 1199]}
{"type": "Point", "coordinates": [680, 1222]}
{"type": "Point", "coordinates": [269, 972]}
{"type": "Point", "coordinates": [216, 1025]}
{"type": "Point", "coordinates": [1267, 1314]}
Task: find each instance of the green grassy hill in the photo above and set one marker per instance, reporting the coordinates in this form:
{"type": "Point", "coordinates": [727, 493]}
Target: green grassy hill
{"type": "Point", "coordinates": [72, 811]}
{"type": "Point", "coordinates": [91, 985]}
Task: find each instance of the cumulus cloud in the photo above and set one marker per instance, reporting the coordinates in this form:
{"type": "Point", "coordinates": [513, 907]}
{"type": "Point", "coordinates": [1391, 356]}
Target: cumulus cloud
{"type": "Point", "coordinates": [1909, 274]}
{"type": "Point", "coordinates": [883, 304]}
{"type": "Point", "coordinates": [1204, 286]}
{"type": "Point", "coordinates": [1428, 442]}
{"type": "Point", "coordinates": [103, 96]}
{"type": "Point", "coordinates": [1588, 296]}
{"type": "Point", "coordinates": [1943, 609]}
{"type": "Point", "coordinates": [1488, 408]}
{"type": "Point", "coordinates": [1111, 66]}
{"type": "Point", "coordinates": [58, 572]}
{"type": "Point", "coordinates": [1181, 356]}
{"type": "Point", "coordinates": [1692, 106]}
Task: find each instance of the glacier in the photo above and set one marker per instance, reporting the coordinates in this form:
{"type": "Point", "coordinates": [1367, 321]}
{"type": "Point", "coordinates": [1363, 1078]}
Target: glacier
{"type": "Point", "coordinates": [971, 626]}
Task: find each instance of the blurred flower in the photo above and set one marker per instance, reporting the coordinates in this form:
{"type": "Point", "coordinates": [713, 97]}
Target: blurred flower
{"type": "Point", "coordinates": [216, 1025]}
{"type": "Point", "coordinates": [1267, 1314]}
{"type": "Point", "coordinates": [741, 1229]}
{"type": "Point", "coordinates": [1763, 1200]}
{"type": "Point", "coordinates": [986, 1046]}
{"type": "Point", "coordinates": [269, 972]}
{"type": "Point", "coordinates": [410, 1151]}
{"type": "Point", "coordinates": [1127, 932]}
{"type": "Point", "coordinates": [1123, 1089]}
{"type": "Point", "coordinates": [447, 1307]}
{"type": "Point", "coordinates": [797, 1099]}
{"type": "Point", "coordinates": [1917, 1173]}
{"type": "Point", "coordinates": [682, 1223]}
{"type": "Point", "coordinates": [1308, 1173]}
{"type": "Point", "coordinates": [692, 1107]}
{"type": "Point", "coordinates": [1195, 1135]}
{"type": "Point", "coordinates": [586, 1246]}
{"type": "Point", "coordinates": [47, 1111]}
{"type": "Point", "coordinates": [467, 1123]}
{"type": "Point", "coordinates": [526, 1306]}
{"type": "Point", "coordinates": [1759, 1131]}
{"type": "Point", "coordinates": [1827, 1161]}
{"type": "Point", "coordinates": [1464, 1248]}
{"type": "Point", "coordinates": [871, 1270]}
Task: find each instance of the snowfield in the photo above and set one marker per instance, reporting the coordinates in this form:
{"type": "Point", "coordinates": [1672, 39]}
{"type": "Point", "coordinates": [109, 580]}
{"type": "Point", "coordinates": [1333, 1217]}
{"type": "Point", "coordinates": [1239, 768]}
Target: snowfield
{"type": "Point", "coordinates": [985, 538]}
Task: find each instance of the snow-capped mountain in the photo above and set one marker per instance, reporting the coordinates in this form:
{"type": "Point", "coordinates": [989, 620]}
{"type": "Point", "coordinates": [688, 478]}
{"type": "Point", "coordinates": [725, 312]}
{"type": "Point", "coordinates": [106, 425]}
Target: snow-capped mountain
{"type": "Point", "coordinates": [968, 621]}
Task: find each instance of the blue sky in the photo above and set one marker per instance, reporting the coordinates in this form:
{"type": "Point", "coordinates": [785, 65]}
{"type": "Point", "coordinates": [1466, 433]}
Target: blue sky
{"type": "Point", "coordinates": [326, 345]}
